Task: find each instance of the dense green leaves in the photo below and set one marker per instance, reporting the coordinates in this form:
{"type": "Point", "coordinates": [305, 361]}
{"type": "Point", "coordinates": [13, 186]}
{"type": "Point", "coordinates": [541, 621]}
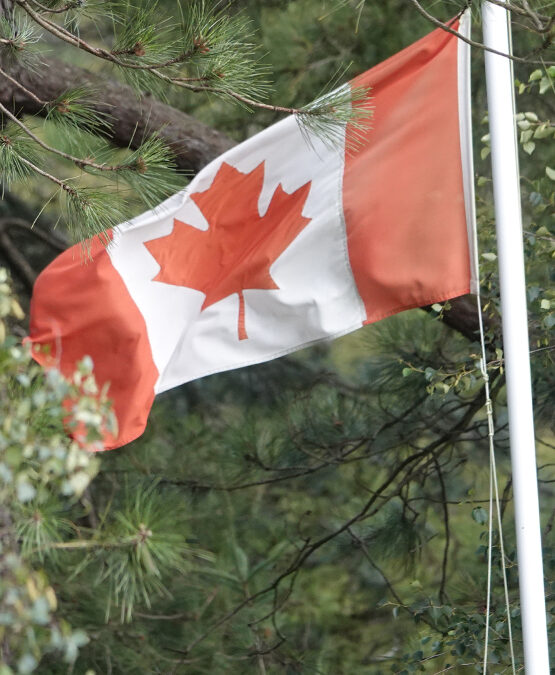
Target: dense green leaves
{"type": "Point", "coordinates": [42, 473]}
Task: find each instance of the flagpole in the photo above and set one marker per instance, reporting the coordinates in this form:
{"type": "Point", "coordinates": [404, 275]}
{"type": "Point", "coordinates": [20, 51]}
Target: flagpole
{"type": "Point", "coordinates": [506, 190]}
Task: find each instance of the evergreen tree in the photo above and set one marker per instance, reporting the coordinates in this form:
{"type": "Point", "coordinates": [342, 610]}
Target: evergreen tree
{"type": "Point", "coordinates": [324, 513]}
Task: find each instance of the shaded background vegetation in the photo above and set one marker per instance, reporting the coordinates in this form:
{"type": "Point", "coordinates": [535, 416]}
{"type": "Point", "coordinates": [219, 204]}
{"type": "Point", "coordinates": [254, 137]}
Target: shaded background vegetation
{"type": "Point", "coordinates": [323, 513]}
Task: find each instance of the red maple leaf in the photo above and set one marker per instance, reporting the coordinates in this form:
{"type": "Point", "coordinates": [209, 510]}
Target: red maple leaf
{"type": "Point", "coordinates": [237, 250]}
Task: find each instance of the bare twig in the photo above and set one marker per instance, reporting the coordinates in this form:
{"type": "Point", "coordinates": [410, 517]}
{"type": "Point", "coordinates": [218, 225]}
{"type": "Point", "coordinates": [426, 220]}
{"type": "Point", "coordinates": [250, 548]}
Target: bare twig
{"type": "Point", "coordinates": [17, 84]}
{"type": "Point", "coordinates": [442, 594]}
{"type": "Point", "coordinates": [309, 548]}
{"type": "Point", "coordinates": [16, 258]}
{"type": "Point", "coordinates": [59, 10]}
{"type": "Point", "coordinates": [542, 23]}
{"type": "Point", "coordinates": [391, 588]}
{"type": "Point", "coordinates": [80, 162]}
{"type": "Point", "coordinates": [473, 43]}
{"type": "Point", "coordinates": [60, 183]}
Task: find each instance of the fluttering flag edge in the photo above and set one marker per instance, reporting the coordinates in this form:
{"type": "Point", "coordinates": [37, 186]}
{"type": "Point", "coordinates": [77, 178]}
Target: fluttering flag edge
{"type": "Point", "coordinates": [135, 426]}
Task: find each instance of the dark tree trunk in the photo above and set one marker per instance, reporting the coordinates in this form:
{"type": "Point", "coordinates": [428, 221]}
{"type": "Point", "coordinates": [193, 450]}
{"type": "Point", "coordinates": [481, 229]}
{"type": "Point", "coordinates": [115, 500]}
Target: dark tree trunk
{"type": "Point", "coordinates": [131, 119]}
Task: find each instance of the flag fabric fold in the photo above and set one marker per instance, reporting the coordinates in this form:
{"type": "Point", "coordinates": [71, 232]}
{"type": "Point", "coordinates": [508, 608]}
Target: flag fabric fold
{"type": "Point", "coordinates": [277, 244]}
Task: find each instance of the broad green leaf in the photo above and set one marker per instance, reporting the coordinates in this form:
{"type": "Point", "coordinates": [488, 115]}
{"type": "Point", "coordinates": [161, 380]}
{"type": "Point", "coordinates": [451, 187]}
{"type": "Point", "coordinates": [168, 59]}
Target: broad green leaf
{"type": "Point", "coordinates": [490, 257]}
{"type": "Point", "coordinates": [480, 515]}
{"type": "Point", "coordinates": [241, 561]}
{"type": "Point", "coordinates": [525, 136]}
{"type": "Point", "coordinates": [543, 131]}
{"type": "Point", "coordinates": [545, 84]}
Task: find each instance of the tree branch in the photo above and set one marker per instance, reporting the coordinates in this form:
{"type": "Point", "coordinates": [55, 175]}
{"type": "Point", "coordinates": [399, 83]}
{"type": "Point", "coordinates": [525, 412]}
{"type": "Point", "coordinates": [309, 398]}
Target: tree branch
{"type": "Point", "coordinates": [479, 45]}
{"type": "Point", "coordinates": [406, 466]}
{"type": "Point", "coordinates": [442, 594]}
{"type": "Point", "coordinates": [463, 317]}
{"type": "Point", "coordinates": [12, 252]}
{"type": "Point", "coordinates": [131, 120]}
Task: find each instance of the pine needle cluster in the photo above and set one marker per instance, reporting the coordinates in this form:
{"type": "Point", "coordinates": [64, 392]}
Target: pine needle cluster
{"type": "Point", "coordinates": [202, 48]}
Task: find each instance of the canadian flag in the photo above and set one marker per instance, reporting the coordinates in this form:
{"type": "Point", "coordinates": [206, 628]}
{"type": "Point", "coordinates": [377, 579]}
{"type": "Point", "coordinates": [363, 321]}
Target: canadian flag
{"type": "Point", "coordinates": [277, 244]}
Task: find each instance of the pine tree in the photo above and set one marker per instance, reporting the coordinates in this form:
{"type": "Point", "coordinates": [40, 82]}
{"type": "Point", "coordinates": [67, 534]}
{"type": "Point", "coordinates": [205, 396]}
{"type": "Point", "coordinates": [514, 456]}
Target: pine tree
{"type": "Point", "coordinates": [311, 514]}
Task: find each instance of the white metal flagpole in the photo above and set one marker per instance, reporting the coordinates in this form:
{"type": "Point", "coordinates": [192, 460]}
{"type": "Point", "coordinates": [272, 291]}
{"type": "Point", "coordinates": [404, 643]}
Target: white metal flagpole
{"type": "Point", "coordinates": [506, 191]}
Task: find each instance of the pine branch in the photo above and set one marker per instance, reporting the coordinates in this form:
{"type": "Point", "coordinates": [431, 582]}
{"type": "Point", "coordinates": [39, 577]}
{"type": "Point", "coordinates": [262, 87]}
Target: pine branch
{"type": "Point", "coordinates": [18, 155]}
{"type": "Point", "coordinates": [400, 603]}
{"type": "Point", "coordinates": [80, 162]}
{"type": "Point", "coordinates": [152, 162]}
{"type": "Point", "coordinates": [407, 466]}
{"type": "Point", "coordinates": [231, 74]}
{"type": "Point", "coordinates": [75, 4]}
{"type": "Point", "coordinates": [92, 212]}
{"type": "Point", "coordinates": [18, 36]}
{"type": "Point", "coordinates": [138, 49]}
{"type": "Point", "coordinates": [192, 143]}
{"type": "Point", "coordinates": [75, 108]}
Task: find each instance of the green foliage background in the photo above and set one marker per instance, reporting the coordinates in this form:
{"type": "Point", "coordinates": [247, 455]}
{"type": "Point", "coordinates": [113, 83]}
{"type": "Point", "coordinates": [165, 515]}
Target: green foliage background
{"type": "Point", "coordinates": [323, 513]}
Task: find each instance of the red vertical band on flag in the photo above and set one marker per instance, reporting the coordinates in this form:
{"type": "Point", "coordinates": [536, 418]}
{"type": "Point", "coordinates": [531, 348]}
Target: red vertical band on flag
{"type": "Point", "coordinates": [82, 307]}
{"type": "Point", "coordinates": [403, 190]}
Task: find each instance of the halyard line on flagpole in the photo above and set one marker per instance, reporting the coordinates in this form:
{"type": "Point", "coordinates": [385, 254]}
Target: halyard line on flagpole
{"type": "Point", "coordinates": [506, 186]}
{"type": "Point", "coordinates": [465, 125]}
{"type": "Point", "coordinates": [465, 134]}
